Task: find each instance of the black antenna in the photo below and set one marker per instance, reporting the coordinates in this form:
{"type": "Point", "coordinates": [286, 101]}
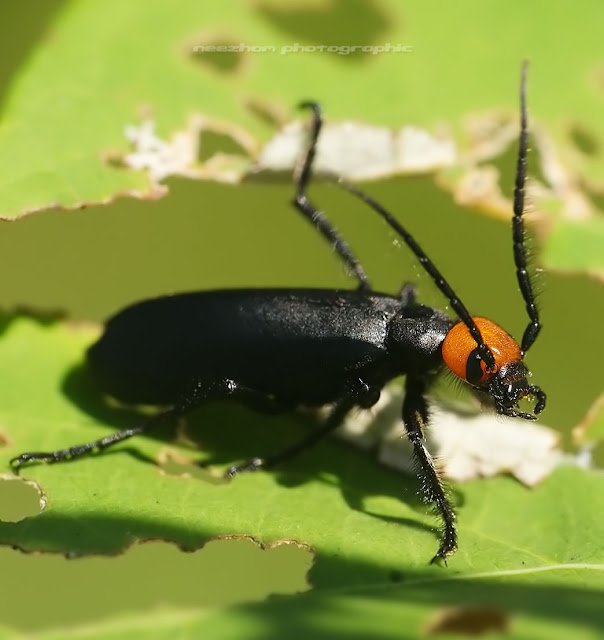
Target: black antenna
{"type": "Point", "coordinates": [457, 305]}
{"type": "Point", "coordinates": [330, 232]}
{"type": "Point", "coordinates": [534, 326]}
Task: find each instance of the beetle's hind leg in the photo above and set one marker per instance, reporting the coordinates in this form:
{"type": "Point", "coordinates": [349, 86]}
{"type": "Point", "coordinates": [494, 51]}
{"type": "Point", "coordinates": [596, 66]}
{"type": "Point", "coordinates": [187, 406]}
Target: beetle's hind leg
{"type": "Point", "coordinates": [415, 417]}
{"type": "Point", "coordinates": [62, 455]}
{"type": "Point", "coordinates": [200, 392]}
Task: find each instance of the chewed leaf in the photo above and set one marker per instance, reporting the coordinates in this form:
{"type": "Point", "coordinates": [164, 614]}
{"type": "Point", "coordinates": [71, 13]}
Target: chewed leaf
{"type": "Point", "coordinates": [62, 125]}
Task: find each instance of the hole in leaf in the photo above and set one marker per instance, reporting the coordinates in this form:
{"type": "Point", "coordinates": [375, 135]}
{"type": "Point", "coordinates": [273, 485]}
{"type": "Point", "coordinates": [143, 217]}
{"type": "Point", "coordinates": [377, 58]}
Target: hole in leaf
{"type": "Point", "coordinates": [584, 140]}
{"type": "Point", "coordinates": [469, 621]}
{"type": "Point", "coordinates": [148, 575]}
{"type": "Point", "coordinates": [173, 465]}
{"type": "Point", "coordinates": [213, 142]}
{"type": "Point", "coordinates": [269, 113]}
{"type": "Point", "coordinates": [358, 23]}
{"type": "Point", "coordinates": [19, 499]}
{"type": "Point", "coordinates": [223, 53]}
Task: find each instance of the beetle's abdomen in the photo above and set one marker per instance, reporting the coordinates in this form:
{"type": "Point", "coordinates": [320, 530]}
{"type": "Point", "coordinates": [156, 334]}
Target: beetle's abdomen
{"type": "Point", "coordinates": [298, 345]}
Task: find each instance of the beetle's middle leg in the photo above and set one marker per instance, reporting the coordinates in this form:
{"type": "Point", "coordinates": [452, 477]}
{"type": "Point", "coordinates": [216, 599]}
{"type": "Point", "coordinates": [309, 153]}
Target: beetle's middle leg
{"type": "Point", "coordinates": [357, 394]}
{"type": "Point", "coordinates": [334, 420]}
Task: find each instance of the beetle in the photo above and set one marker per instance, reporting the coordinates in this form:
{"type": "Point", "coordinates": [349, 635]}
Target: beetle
{"type": "Point", "coordinates": [275, 349]}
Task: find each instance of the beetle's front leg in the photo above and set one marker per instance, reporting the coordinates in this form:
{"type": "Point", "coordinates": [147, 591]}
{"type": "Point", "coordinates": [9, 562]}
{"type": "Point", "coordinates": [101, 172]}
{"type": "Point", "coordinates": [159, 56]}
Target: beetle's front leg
{"type": "Point", "coordinates": [415, 417]}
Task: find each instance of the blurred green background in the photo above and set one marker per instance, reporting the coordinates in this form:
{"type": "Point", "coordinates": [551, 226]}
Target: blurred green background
{"type": "Point", "coordinates": [72, 76]}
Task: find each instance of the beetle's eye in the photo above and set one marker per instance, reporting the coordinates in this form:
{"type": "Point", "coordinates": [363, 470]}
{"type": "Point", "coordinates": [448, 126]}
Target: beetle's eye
{"type": "Point", "coordinates": [474, 370]}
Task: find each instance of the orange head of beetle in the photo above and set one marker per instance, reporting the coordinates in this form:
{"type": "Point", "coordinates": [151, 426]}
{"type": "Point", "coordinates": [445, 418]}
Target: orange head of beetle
{"type": "Point", "coordinates": [506, 382]}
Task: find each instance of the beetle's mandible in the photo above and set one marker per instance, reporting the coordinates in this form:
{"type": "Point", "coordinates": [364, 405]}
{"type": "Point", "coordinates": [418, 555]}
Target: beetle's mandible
{"type": "Point", "coordinates": [274, 349]}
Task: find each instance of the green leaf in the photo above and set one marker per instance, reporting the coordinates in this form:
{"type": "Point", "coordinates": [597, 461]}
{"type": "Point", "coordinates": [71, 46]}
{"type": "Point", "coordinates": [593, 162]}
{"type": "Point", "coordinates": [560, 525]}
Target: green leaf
{"type": "Point", "coordinates": [575, 246]}
{"type": "Point", "coordinates": [372, 536]}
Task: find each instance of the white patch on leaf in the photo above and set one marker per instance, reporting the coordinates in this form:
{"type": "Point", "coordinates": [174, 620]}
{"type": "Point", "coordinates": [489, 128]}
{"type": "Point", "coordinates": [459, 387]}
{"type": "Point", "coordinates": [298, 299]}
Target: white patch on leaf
{"type": "Point", "coordinates": [360, 151]}
{"type": "Point", "coordinates": [465, 445]}
{"type": "Point", "coordinates": [160, 157]}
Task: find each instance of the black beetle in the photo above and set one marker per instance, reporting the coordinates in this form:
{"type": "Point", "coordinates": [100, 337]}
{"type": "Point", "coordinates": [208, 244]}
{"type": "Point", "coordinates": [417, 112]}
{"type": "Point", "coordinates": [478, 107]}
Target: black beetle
{"type": "Point", "coordinates": [274, 349]}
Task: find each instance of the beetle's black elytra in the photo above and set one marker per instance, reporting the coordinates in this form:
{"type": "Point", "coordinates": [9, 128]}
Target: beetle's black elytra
{"type": "Point", "coordinates": [274, 349]}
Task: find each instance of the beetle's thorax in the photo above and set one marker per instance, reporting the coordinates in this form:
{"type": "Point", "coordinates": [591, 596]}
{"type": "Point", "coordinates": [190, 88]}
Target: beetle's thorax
{"type": "Point", "coordinates": [415, 337]}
